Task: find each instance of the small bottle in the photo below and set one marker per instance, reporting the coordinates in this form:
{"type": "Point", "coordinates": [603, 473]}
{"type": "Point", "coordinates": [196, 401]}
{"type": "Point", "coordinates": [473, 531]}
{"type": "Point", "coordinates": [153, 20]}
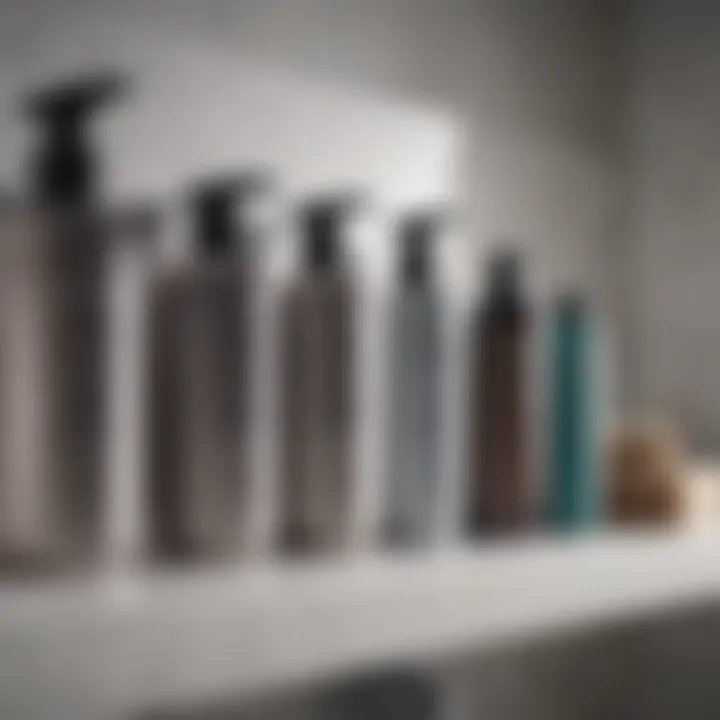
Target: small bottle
{"type": "Point", "coordinates": [200, 378]}
{"type": "Point", "coordinates": [499, 493]}
{"type": "Point", "coordinates": [574, 473]}
{"type": "Point", "coordinates": [413, 482]}
{"type": "Point", "coordinates": [57, 262]}
{"type": "Point", "coordinates": [317, 365]}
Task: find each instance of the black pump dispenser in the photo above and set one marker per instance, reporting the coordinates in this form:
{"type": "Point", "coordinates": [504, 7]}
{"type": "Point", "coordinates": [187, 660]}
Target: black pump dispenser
{"type": "Point", "coordinates": [322, 221]}
{"type": "Point", "coordinates": [505, 279]}
{"type": "Point", "coordinates": [64, 172]}
{"type": "Point", "coordinates": [417, 232]}
{"type": "Point", "coordinates": [220, 230]}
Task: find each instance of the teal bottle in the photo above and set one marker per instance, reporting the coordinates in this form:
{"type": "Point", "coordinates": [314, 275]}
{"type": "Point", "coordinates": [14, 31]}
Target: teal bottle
{"type": "Point", "coordinates": [574, 497]}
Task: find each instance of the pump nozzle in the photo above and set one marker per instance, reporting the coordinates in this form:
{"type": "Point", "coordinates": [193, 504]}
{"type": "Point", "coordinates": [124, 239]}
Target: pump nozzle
{"type": "Point", "coordinates": [64, 169]}
{"type": "Point", "coordinates": [505, 271]}
{"type": "Point", "coordinates": [218, 203]}
{"type": "Point", "coordinates": [417, 231]}
{"type": "Point", "coordinates": [322, 220]}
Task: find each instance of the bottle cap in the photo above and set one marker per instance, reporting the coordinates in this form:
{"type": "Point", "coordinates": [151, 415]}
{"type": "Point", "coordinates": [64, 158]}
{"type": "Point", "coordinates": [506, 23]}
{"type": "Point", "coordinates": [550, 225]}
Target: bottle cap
{"type": "Point", "coordinates": [571, 305]}
{"type": "Point", "coordinates": [505, 274]}
{"type": "Point", "coordinates": [218, 203]}
{"type": "Point", "coordinates": [65, 168]}
{"type": "Point", "coordinates": [323, 221]}
{"type": "Point", "coordinates": [417, 231]}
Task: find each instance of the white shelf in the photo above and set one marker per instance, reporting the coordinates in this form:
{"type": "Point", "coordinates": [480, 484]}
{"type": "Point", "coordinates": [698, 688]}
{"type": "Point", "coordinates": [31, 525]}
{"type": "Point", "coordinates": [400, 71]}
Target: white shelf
{"type": "Point", "coordinates": [111, 647]}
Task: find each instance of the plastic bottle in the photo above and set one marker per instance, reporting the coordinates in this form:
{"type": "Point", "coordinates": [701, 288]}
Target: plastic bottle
{"type": "Point", "coordinates": [416, 317]}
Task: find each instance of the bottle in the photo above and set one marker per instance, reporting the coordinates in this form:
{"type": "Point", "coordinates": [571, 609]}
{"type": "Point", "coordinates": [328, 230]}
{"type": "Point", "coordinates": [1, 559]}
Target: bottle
{"type": "Point", "coordinates": [574, 423]}
{"type": "Point", "coordinates": [317, 363]}
{"type": "Point", "coordinates": [54, 320]}
{"type": "Point", "coordinates": [499, 493]}
{"type": "Point", "coordinates": [201, 380]}
{"type": "Point", "coordinates": [414, 482]}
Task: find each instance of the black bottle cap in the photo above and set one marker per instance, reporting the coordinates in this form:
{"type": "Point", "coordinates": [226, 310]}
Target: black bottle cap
{"type": "Point", "coordinates": [218, 204]}
{"type": "Point", "coordinates": [65, 168]}
{"type": "Point", "coordinates": [417, 231]}
{"type": "Point", "coordinates": [323, 222]}
{"type": "Point", "coordinates": [571, 305]}
{"type": "Point", "coordinates": [505, 276]}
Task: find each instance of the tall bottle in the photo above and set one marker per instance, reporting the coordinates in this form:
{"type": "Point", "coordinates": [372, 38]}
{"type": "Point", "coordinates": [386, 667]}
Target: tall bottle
{"type": "Point", "coordinates": [574, 477]}
{"type": "Point", "coordinates": [499, 493]}
{"type": "Point", "coordinates": [413, 483]}
{"type": "Point", "coordinates": [200, 378]}
{"type": "Point", "coordinates": [54, 317]}
{"type": "Point", "coordinates": [317, 356]}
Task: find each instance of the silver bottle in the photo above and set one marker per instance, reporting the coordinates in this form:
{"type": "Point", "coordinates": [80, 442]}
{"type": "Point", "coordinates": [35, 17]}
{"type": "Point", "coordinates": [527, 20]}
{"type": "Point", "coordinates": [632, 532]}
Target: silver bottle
{"type": "Point", "coordinates": [414, 504]}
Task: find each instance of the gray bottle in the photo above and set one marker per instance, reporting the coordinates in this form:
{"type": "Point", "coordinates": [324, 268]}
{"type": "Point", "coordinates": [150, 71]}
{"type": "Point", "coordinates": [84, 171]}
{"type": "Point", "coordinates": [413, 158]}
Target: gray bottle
{"type": "Point", "coordinates": [201, 327]}
{"type": "Point", "coordinates": [54, 316]}
{"type": "Point", "coordinates": [317, 365]}
{"type": "Point", "coordinates": [413, 510]}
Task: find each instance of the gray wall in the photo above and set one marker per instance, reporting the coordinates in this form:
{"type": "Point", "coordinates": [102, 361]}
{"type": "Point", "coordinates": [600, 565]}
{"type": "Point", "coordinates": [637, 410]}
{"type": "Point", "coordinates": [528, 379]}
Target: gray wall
{"type": "Point", "coordinates": [529, 80]}
{"type": "Point", "coordinates": [671, 258]}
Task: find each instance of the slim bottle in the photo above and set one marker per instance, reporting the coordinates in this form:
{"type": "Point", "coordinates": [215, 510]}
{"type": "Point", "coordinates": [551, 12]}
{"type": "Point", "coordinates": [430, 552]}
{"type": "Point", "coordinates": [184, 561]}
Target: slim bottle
{"type": "Point", "coordinates": [499, 493]}
{"type": "Point", "coordinates": [317, 387]}
{"type": "Point", "coordinates": [56, 265]}
{"type": "Point", "coordinates": [573, 424]}
{"type": "Point", "coordinates": [200, 379]}
{"type": "Point", "coordinates": [413, 482]}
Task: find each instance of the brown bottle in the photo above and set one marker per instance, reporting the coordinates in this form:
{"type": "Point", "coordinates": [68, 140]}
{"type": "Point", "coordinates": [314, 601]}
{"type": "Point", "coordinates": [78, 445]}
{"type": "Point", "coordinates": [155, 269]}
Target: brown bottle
{"type": "Point", "coordinates": [199, 424]}
{"type": "Point", "coordinates": [316, 392]}
{"type": "Point", "coordinates": [499, 495]}
{"type": "Point", "coordinates": [54, 318]}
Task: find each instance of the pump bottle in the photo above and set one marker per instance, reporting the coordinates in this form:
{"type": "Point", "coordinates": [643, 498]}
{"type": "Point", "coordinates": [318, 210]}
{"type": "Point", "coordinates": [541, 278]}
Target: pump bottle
{"type": "Point", "coordinates": [56, 267]}
{"type": "Point", "coordinates": [317, 362]}
{"type": "Point", "coordinates": [200, 377]}
{"type": "Point", "coordinates": [416, 359]}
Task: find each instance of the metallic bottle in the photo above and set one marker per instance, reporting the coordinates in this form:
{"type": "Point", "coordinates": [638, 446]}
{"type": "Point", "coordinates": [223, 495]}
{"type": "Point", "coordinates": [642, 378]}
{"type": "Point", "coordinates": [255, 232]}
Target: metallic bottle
{"type": "Point", "coordinates": [317, 365]}
{"type": "Point", "coordinates": [574, 472]}
{"type": "Point", "coordinates": [200, 385]}
{"type": "Point", "coordinates": [413, 482]}
{"type": "Point", "coordinates": [499, 492]}
{"type": "Point", "coordinates": [54, 316]}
